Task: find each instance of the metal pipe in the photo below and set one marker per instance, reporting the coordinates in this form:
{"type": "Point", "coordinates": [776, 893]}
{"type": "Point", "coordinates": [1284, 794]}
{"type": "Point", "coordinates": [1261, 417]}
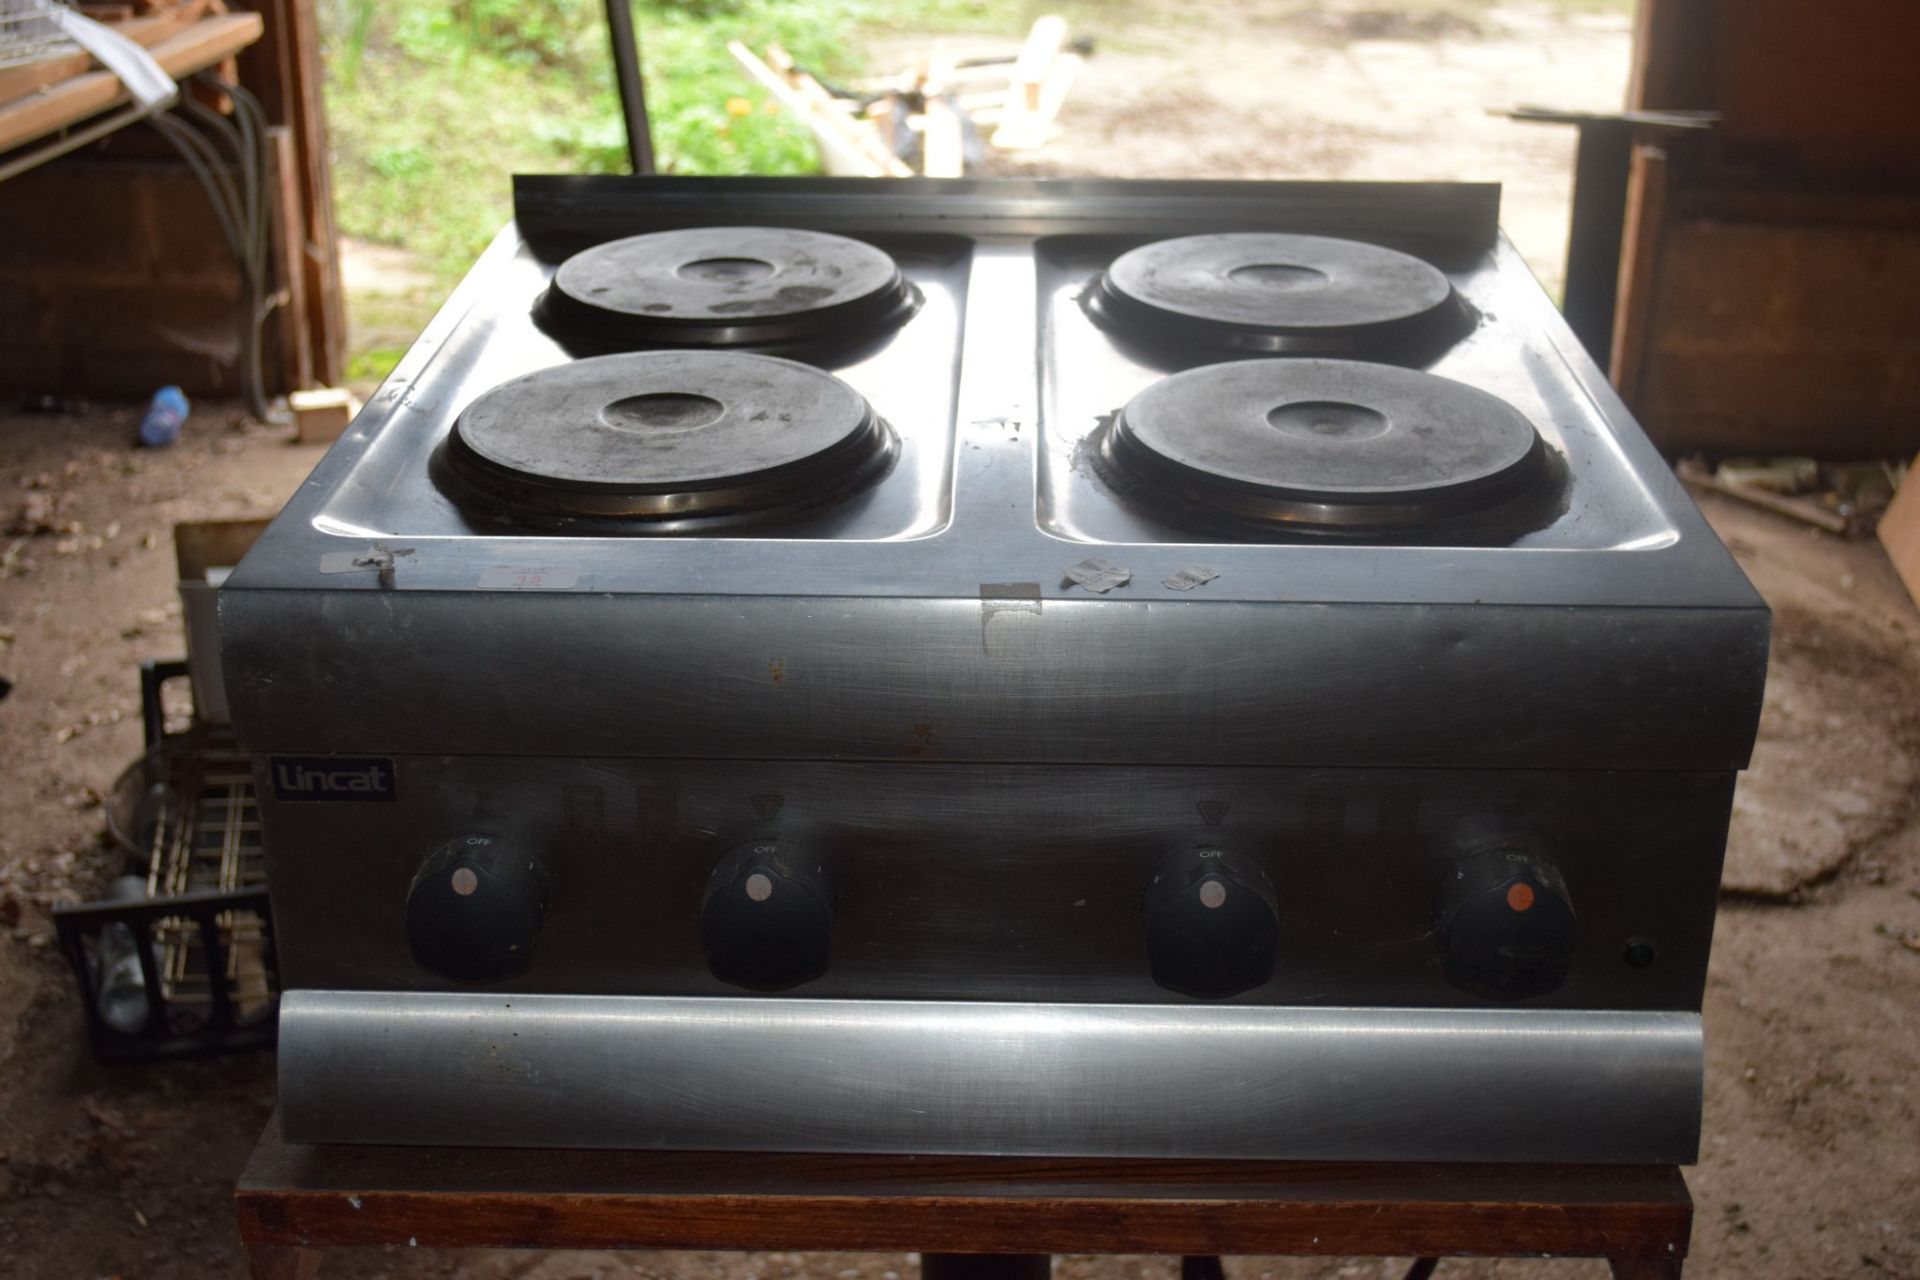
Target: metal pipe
{"type": "Point", "coordinates": [626, 72]}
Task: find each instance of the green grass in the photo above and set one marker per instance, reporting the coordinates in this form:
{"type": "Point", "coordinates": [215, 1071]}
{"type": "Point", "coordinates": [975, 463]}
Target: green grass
{"type": "Point", "coordinates": [433, 106]}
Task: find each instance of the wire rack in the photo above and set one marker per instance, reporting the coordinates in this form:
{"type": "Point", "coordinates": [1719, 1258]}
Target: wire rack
{"type": "Point", "coordinates": [28, 31]}
{"type": "Point", "coordinates": [179, 959]}
{"type": "Point", "coordinates": [206, 839]}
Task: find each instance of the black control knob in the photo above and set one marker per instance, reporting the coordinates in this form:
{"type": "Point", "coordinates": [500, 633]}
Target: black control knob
{"type": "Point", "coordinates": [1507, 924]}
{"type": "Point", "coordinates": [1211, 924]}
{"type": "Point", "coordinates": [766, 919]}
{"type": "Point", "coordinates": [475, 908]}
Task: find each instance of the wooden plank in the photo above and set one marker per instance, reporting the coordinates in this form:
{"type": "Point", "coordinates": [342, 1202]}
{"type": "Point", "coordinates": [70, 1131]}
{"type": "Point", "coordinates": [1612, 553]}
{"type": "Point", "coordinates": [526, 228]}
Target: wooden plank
{"type": "Point", "coordinates": [1672, 56]}
{"type": "Point", "coordinates": [1023, 129]}
{"type": "Point", "coordinates": [287, 247]}
{"type": "Point", "coordinates": [838, 153]}
{"type": "Point", "coordinates": [837, 114]}
{"type": "Point", "coordinates": [1830, 86]}
{"type": "Point", "coordinates": [201, 45]}
{"type": "Point", "coordinates": [942, 141]}
{"type": "Point", "coordinates": [847, 147]}
{"type": "Point", "coordinates": [451, 1198]}
{"type": "Point", "coordinates": [295, 23]}
{"type": "Point", "coordinates": [1801, 509]}
{"type": "Point", "coordinates": [17, 82]}
{"type": "Point", "coordinates": [28, 76]}
{"type": "Point", "coordinates": [282, 70]}
{"type": "Point", "coordinates": [322, 414]}
{"type": "Point", "coordinates": [1640, 239]}
{"type": "Point", "coordinates": [1034, 66]}
{"type": "Point", "coordinates": [1900, 531]}
{"type": "Point", "coordinates": [1783, 339]}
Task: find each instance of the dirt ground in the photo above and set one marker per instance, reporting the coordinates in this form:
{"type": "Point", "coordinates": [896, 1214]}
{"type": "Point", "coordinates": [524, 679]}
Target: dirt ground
{"type": "Point", "coordinates": [1811, 1164]}
{"type": "Point", "coordinates": [1399, 90]}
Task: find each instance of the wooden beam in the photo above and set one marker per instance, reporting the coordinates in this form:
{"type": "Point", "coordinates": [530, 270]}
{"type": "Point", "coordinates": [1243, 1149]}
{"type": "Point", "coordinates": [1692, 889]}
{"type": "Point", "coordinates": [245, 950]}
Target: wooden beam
{"type": "Point", "coordinates": [1035, 63]}
{"type": "Point", "coordinates": [847, 146]}
{"type": "Point", "coordinates": [201, 45]}
{"type": "Point", "coordinates": [326, 296]}
{"type": "Point", "coordinates": [284, 71]}
{"type": "Point", "coordinates": [291, 316]}
{"type": "Point", "coordinates": [1646, 226]}
{"type": "Point", "coordinates": [1022, 128]}
{"type": "Point", "coordinates": [942, 141]}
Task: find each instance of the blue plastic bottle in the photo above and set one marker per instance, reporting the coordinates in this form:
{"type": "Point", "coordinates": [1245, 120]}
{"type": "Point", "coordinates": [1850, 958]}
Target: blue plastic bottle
{"type": "Point", "coordinates": [164, 417]}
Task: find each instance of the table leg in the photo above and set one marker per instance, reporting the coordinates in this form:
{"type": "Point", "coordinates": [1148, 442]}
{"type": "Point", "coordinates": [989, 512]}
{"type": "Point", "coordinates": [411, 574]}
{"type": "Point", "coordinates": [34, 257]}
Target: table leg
{"type": "Point", "coordinates": [282, 1262]}
{"type": "Point", "coordinates": [1655, 1268]}
{"type": "Point", "coordinates": [986, 1266]}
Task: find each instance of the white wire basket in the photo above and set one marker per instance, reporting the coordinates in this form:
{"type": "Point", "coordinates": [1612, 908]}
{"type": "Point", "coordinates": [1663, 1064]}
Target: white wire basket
{"type": "Point", "coordinates": [28, 31]}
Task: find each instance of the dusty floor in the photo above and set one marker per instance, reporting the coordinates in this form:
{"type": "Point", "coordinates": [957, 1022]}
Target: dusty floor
{"type": "Point", "coordinates": [1811, 1165]}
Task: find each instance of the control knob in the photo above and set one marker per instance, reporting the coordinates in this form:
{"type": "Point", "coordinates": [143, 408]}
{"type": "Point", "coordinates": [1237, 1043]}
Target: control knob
{"type": "Point", "coordinates": [474, 909]}
{"type": "Point", "coordinates": [766, 919]}
{"type": "Point", "coordinates": [1507, 924]}
{"type": "Point", "coordinates": [1211, 924]}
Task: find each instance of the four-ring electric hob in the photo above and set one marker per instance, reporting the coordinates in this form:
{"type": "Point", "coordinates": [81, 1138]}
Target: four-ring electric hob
{"type": "Point", "coordinates": [1096, 668]}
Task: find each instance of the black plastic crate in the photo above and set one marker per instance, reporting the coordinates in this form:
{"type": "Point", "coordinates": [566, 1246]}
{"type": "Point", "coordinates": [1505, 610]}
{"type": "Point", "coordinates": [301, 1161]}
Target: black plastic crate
{"type": "Point", "coordinates": [180, 959]}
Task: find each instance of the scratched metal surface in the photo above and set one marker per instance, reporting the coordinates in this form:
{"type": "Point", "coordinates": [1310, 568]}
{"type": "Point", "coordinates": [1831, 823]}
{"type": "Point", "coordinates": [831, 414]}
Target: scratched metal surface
{"type": "Point", "coordinates": [1626, 636]}
{"type": "Point", "coordinates": [990, 1079]}
{"type": "Point", "coordinates": [989, 759]}
{"type": "Point", "coordinates": [1009, 882]}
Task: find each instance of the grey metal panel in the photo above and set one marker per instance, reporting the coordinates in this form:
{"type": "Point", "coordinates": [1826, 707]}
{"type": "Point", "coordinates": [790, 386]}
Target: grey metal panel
{"type": "Point", "coordinates": [993, 679]}
{"type": "Point", "coordinates": [1005, 882]}
{"type": "Point", "coordinates": [963, 616]}
{"type": "Point", "coordinates": [990, 1079]}
{"type": "Point", "coordinates": [560, 210]}
{"type": "Point", "coordinates": [1630, 538]}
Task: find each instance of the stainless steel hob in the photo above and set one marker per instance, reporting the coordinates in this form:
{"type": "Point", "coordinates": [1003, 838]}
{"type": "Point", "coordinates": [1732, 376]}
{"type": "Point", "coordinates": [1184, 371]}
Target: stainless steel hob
{"type": "Point", "coordinates": [1075, 667]}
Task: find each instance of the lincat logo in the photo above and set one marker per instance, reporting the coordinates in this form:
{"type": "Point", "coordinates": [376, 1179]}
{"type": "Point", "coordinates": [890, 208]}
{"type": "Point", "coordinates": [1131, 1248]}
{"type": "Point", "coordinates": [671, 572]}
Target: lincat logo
{"type": "Point", "coordinates": [332, 778]}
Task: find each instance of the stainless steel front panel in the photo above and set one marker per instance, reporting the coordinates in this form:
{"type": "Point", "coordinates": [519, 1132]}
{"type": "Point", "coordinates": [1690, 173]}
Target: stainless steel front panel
{"type": "Point", "coordinates": [990, 1079]}
{"type": "Point", "coordinates": [999, 882]}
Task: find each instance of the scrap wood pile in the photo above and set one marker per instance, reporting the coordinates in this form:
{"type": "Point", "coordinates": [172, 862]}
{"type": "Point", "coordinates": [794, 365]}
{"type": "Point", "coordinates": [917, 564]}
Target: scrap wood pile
{"type": "Point", "coordinates": [48, 83]}
{"type": "Point", "coordinates": [1842, 498]}
{"type": "Point", "coordinates": [936, 117]}
{"type": "Point", "coordinates": [33, 58]}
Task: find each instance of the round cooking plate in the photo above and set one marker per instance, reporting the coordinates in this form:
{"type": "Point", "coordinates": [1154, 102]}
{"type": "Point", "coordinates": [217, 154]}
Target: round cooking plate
{"type": "Point", "coordinates": [670, 434]}
{"type": "Point", "coordinates": [1328, 444]}
{"type": "Point", "coordinates": [1278, 294]}
{"type": "Point", "coordinates": [724, 287]}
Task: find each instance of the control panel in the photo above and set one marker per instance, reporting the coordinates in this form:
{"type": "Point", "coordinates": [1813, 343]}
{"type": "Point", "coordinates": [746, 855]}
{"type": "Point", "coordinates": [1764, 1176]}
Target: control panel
{"type": "Point", "coordinates": [1330, 887]}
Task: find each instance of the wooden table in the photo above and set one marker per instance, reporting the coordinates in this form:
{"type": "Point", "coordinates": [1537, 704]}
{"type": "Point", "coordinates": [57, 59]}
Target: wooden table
{"type": "Point", "coordinates": [295, 1201]}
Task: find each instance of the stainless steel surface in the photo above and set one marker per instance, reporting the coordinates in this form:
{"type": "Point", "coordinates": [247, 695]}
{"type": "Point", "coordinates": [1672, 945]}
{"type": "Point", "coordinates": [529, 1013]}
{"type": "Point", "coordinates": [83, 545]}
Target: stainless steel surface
{"type": "Point", "coordinates": [992, 494]}
{"type": "Point", "coordinates": [1010, 882]}
{"type": "Point", "coordinates": [1011, 671]}
{"type": "Point", "coordinates": [985, 762]}
{"type": "Point", "coordinates": [990, 1079]}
